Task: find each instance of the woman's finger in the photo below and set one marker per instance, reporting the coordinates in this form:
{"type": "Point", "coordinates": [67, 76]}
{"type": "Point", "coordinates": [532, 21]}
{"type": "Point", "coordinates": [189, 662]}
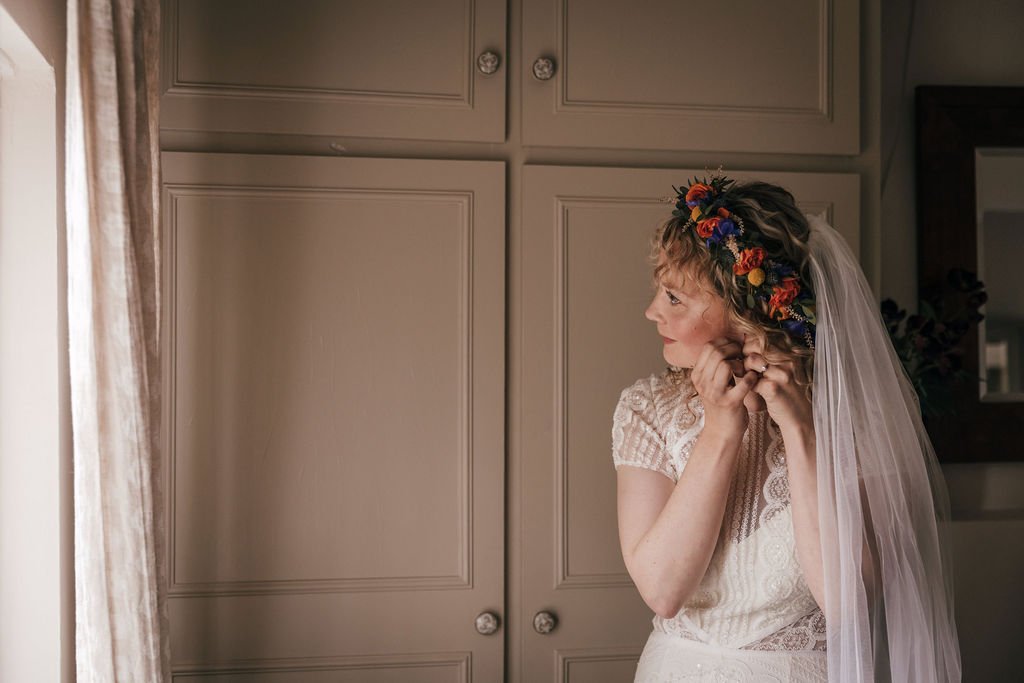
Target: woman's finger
{"type": "Point", "coordinates": [721, 379]}
{"type": "Point", "coordinates": [697, 373]}
{"type": "Point", "coordinates": [767, 388]}
{"type": "Point", "coordinates": [787, 365]}
{"type": "Point", "coordinates": [700, 365]}
{"type": "Point", "coordinates": [725, 348]}
{"type": "Point", "coordinates": [743, 385]}
{"type": "Point", "coordinates": [731, 352]}
{"type": "Point", "coordinates": [756, 362]}
{"type": "Point", "coordinates": [778, 374]}
{"type": "Point", "coordinates": [711, 353]}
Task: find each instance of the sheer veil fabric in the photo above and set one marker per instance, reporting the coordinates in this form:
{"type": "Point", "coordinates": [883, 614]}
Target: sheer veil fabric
{"type": "Point", "coordinates": [882, 499]}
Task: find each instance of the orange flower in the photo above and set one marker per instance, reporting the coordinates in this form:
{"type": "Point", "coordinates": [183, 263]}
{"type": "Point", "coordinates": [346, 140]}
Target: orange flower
{"type": "Point", "coordinates": [783, 294]}
{"type": "Point", "coordinates": [723, 212]}
{"type": "Point", "coordinates": [697, 192]}
{"type": "Point", "coordinates": [706, 227]}
{"type": "Point", "coordinates": [748, 260]}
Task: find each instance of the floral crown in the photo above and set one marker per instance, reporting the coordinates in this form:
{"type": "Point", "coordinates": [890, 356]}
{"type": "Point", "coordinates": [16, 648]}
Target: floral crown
{"type": "Point", "coordinates": [772, 284]}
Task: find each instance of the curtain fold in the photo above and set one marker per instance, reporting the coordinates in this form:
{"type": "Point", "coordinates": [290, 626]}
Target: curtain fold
{"type": "Point", "coordinates": [113, 259]}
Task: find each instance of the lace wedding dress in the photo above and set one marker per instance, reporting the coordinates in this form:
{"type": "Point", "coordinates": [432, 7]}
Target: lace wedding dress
{"type": "Point", "coordinates": [752, 618]}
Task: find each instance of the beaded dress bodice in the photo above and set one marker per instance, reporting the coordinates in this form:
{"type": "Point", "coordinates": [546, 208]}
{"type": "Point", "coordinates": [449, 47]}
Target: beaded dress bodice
{"type": "Point", "coordinates": [753, 595]}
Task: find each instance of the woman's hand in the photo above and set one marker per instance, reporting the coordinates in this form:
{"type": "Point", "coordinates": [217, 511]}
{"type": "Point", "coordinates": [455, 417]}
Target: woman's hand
{"type": "Point", "coordinates": [722, 382]}
{"type": "Point", "coordinates": [778, 385]}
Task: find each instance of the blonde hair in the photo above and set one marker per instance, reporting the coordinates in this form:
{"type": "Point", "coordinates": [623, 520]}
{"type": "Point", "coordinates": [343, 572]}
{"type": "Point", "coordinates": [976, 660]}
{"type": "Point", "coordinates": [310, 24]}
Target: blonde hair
{"type": "Point", "coordinates": [772, 211]}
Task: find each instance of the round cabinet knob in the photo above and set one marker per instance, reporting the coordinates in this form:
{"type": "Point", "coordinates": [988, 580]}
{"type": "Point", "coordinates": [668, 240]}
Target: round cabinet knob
{"type": "Point", "coordinates": [544, 622]}
{"type": "Point", "coordinates": [487, 623]}
{"type": "Point", "coordinates": [543, 69]}
{"type": "Point", "coordinates": [488, 62]}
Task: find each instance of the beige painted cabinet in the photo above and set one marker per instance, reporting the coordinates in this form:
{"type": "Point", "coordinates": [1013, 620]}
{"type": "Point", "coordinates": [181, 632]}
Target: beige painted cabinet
{"type": "Point", "coordinates": [388, 381]}
{"type": "Point", "coordinates": [334, 341]}
{"type": "Point", "coordinates": [739, 76]}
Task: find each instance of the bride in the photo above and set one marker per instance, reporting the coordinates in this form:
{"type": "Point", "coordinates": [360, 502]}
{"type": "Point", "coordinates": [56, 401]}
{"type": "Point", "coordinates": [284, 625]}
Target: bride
{"type": "Point", "coordinates": [780, 506]}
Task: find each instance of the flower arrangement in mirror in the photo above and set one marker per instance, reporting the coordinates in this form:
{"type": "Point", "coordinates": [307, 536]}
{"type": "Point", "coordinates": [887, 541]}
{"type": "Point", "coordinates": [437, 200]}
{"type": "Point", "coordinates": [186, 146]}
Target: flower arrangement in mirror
{"type": "Point", "coordinates": [929, 342]}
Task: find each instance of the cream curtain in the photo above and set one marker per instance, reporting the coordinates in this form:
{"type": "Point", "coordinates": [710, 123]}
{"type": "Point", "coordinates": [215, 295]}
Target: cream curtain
{"type": "Point", "coordinates": [113, 244]}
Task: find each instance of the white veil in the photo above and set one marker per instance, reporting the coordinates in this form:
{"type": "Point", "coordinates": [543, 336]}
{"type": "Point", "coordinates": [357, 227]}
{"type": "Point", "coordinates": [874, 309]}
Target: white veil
{"type": "Point", "coordinates": [879, 484]}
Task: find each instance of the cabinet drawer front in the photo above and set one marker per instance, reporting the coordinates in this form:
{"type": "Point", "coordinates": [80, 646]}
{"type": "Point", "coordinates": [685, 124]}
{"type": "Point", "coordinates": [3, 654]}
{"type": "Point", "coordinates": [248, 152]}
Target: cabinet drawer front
{"type": "Point", "coordinates": [745, 76]}
{"type": "Point", "coordinates": [389, 69]}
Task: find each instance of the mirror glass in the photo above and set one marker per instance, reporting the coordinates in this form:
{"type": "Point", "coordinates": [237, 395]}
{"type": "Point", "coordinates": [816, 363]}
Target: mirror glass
{"type": "Point", "coordinates": [999, 179]}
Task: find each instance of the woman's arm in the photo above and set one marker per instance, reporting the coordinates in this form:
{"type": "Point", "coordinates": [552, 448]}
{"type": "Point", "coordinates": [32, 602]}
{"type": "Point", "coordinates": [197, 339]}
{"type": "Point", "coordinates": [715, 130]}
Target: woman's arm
{"type": "Point", "coordinates": [668, 531]}
{"type": "Point", "coordinates": [667, 538]}
{"type": "Point", "coordinates": [782, 385]}
{"type": "Point", "coordinates": [801, 463]}
{"type": "Point", "coordinates": [801, 467]}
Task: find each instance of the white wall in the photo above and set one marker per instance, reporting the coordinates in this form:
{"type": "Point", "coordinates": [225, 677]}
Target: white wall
{"type": "Point", "coordinates": [957, 43]}
{"type": "Point", "coordinates": [36, 584]}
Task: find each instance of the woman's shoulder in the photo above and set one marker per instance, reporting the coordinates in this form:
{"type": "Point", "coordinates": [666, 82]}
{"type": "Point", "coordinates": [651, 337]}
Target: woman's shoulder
{"type": "Point", "coordinates": [662, 391]}
{"type": "Point", "coordinates": [664, 402]}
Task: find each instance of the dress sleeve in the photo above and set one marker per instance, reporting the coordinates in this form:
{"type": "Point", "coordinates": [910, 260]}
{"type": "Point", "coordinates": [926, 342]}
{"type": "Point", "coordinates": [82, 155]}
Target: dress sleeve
{"type": "Point", "coordinates": [636, 438]}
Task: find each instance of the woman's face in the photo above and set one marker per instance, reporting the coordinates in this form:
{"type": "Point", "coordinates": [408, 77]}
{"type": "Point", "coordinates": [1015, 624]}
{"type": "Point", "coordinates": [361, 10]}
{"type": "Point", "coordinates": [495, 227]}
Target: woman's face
{"type": "Point", "coordinates": [687, 318]}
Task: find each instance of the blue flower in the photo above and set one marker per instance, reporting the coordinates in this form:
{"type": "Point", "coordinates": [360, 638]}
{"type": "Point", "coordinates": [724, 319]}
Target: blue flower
{"type": "Point", "coordinates": [795, 327]}
{"type": "Point", "coordinates": [727, 227]}
{"type": "Point", "coordinates": [782, 269]}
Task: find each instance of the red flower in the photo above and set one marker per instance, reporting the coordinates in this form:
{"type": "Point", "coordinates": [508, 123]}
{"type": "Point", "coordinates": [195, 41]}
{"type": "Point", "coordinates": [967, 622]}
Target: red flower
{"type": "Point", "coordinates": [783, 294]}
{"type": "Point", "coordinates": [749, 259]}
{"type": "Point", "coordinates": [723, 212]}
{"type": "Point", "coordinates": [706, 227]}
{"type": "Point", "coordinates": [697, 192]}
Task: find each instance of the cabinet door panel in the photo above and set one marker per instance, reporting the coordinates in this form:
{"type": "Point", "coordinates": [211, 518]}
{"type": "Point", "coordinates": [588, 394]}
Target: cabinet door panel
{"type": "Point", "coordinates": [583, 292]}
{"type": "Point", "coordinates": [386, 69]}
{"type": "Point", "coordinates": [744, 76]}
{"type": "Point", "coordinates": [334, 392]}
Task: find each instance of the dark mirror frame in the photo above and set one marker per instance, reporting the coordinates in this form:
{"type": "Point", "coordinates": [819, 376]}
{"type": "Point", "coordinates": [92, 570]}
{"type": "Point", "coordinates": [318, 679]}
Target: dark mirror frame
{"type": "Point", "coordinates": [952, 122]}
